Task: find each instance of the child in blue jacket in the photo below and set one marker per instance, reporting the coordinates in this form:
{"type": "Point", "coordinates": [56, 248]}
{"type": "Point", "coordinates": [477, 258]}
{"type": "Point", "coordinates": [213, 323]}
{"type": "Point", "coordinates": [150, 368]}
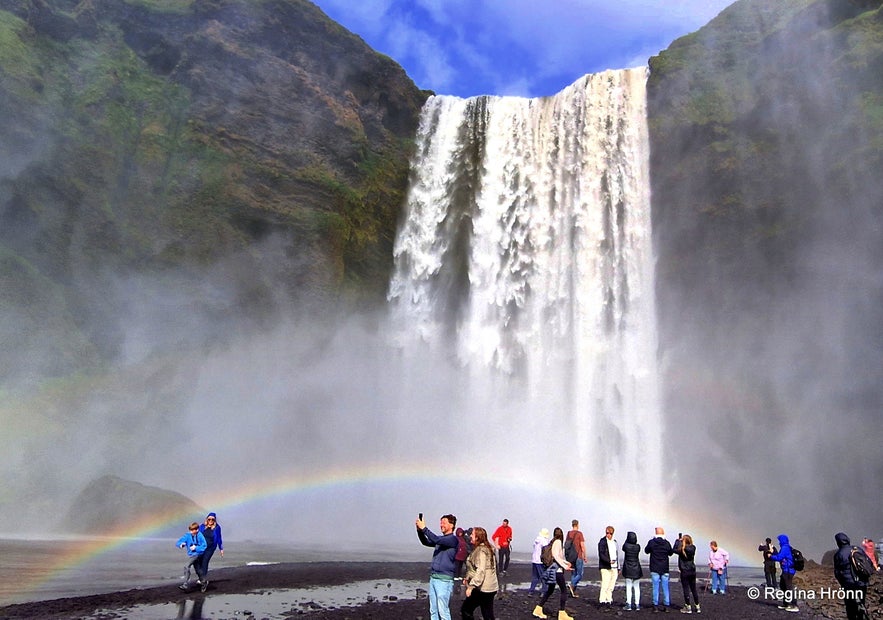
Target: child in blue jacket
{"type": "Point", "coordinates": [194, 543]}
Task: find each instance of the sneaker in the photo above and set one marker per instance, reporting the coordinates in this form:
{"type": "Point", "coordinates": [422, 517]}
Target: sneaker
{"type": "Point", "coordinates": [184, 586]}
{"type": "Point", "coordinates": [204, 585]}
{"type": "Point", "coordinates": [794, 609]}
{"type": "Point", "coordinates": [627, 607]}
{"type": "Point", "coordinates": [686, 610]}
{"type": "Point", "coordinates": [698, 609]}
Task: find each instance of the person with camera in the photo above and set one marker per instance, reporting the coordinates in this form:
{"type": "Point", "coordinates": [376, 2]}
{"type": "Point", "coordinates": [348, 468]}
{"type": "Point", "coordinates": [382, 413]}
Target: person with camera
{"type": "Point", "coordinates": [444, 565]}
{"type": "Point", "coordinates": [769, 565]}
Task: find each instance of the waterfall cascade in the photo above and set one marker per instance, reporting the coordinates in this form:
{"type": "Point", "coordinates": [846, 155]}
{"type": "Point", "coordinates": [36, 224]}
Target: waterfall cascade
{"type": "Point", "coordinates": [526, 255]}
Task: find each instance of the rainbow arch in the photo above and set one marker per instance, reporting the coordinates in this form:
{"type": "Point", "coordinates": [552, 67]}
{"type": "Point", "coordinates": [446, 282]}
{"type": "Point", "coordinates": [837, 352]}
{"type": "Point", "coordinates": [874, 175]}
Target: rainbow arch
{"type": "Point", "coordinates": [336, 480]}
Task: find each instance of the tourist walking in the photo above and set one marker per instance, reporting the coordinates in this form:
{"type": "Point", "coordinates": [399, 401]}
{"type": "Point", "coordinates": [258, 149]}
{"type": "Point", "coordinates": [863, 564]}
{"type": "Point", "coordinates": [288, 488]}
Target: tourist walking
{"type": "Point", "coordinates": [632, 571]}
{"type": "Point", "coordinates": [659, 550]}
{"type": "Point", "coordinates": [441, 576]}
{"type": "Point", "coordinates": [718, 558]}
{"type": "Point", "coordinates": [503, 539]}
{"type": "Point", "coordinates": [575, 553]}
{"type": "Point", "coordinates": [481, 577]}
{"type": "Point", "coordinates": [194, 543]}
{"type": "Point", "coordinates": [554, 575]}
{"type": "Point", "coordinates": [686, 552]}
{"type": "Point", "coordinates": [609, 565]}
{"type": "Point", "coordinates": [211, 531]}
{"type": "Point", "coordinates": [537, 568]}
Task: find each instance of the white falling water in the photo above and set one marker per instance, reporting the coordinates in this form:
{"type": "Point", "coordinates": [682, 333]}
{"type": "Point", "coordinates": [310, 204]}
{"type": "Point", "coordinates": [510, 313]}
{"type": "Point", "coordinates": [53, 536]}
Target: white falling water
{"type": "Point", "coordinates": [526, 255]}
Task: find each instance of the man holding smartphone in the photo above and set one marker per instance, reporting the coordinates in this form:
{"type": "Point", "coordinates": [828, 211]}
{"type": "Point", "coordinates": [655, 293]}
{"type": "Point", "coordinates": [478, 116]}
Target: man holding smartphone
{"type": "Point", "coordinates": [442, 571]}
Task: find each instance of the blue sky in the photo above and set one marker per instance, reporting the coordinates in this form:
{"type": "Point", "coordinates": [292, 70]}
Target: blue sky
{"type": "Point", "coordinates": [517, 47]}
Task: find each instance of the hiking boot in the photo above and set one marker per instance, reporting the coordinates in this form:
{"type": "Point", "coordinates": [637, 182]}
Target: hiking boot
{"type": "Point", "coordinates": [538, 612]}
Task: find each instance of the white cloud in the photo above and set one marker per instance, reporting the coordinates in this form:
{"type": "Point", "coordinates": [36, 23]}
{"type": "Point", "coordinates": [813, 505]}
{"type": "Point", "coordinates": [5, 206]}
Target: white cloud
{"type": "Point", "coordinates": [505, 46]}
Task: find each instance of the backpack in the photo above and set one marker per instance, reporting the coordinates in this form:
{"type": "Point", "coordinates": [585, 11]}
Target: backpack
{"type": "Point", "coordinates": [546, 555]}
{"type": "Point", "coordinates": [798, 561]}
{"type": "Point", "coordinates": [861, 565]}
{"type": "Point", "coordinates": [570, 551]}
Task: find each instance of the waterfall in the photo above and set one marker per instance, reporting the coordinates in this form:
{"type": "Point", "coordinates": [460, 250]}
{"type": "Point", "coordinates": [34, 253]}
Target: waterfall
{"type": "Point", "coordinates": [525, 255]}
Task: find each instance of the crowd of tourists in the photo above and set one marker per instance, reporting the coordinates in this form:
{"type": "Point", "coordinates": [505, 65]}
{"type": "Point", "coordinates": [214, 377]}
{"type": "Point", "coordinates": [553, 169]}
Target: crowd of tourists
{"type": "Point", "coordinates": [471, 559]}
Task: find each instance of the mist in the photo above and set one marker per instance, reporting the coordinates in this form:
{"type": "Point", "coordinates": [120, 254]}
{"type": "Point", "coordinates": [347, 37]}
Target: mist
{"type": "Point", "coordinates": [296, 423]}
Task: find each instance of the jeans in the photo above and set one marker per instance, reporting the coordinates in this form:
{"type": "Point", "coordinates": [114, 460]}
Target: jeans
{"type": "Point", "coordinates": [718, 581]}
{"type": "Point", "coordinates": [577, 572]}
{"type": "Point", "coordinates": [194, 561]}
{"type": "Point", "coordinates": [633, 585]}
{"type": "Point", "coordinates": [656, 578]}
{"type": "Point", "coordinates": [439, 598]}
{"type": "Point", "coordinates": [503, 561]}
{"type": "Point", "coordinates": [206, 558]}
{"type": "Point", "coordinates": [536, 577]}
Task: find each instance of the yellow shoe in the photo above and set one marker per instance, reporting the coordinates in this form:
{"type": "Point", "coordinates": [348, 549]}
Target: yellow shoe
{"type": "Point", "coordinates": [538, 612]}
{"type": "Point", "coordinates": [562, 615]}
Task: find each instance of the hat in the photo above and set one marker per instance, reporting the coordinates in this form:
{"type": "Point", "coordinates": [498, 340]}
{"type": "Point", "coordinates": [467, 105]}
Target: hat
{"type": "Point", "coordinates": [544, 532]}
{"type": "Point", "coordinates": [211, 514]}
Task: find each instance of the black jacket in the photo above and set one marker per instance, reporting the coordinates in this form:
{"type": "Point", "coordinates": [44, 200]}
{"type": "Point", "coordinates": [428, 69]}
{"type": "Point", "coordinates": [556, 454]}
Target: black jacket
{"type": "Point", "coordinates": [842, 566]}
{"type": "Point", "coordinates": [631, 563]}
{"type": "Point", "coordinates": [659, 550]}
{"type": "Point", "coordinates": [604, 559]}
{"type": "Point", "coordinates": [686, 558]}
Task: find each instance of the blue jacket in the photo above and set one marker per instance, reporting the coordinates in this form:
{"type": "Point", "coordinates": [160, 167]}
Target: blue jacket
{"type": "Point", "coordinates": [443, 561]}
{"type": "Point", "coordinates": [189, 540]}
{"type": "Point", "coordinates": [784, 556]}
{"type": "Point", "coordinates": [219, 542]}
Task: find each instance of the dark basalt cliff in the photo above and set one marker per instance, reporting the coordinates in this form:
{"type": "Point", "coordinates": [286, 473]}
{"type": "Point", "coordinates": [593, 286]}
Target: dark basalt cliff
{"type": "Point", "coordinates": [112, 505]}
{"type": "Point", "coordinates": [767, 147]}
{"type": "Point", "coordinates": [229, 159]}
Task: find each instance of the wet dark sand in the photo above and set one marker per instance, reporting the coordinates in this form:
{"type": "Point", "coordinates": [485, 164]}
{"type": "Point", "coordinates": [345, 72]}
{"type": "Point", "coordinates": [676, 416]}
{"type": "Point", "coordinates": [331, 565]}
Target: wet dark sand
{"type": "Point", "coordinates": [511, 603]}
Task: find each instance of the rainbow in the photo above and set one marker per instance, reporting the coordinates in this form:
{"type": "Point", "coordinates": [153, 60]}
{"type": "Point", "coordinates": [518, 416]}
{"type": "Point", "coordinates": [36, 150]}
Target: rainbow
{"type": "Point", "coordinates": [336, 481]}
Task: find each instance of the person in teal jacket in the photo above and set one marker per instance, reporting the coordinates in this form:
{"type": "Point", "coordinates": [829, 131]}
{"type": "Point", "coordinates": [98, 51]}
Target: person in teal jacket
{"type": "Point", "coordinates": [194, 543]}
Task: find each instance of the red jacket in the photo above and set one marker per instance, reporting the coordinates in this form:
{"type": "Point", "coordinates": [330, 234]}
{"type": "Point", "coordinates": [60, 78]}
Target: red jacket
{"type": "Point", "coordinates": [503, 536]}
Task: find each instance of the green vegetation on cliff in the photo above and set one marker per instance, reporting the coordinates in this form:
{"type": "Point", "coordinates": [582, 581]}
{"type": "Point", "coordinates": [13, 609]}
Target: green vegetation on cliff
{"type": "Point", "coordinates": [253, 148]}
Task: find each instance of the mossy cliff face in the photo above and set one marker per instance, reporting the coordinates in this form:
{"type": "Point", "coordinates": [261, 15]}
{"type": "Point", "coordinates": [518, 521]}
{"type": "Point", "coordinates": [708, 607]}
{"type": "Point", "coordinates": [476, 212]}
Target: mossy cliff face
{"type": "Point", "coordinates": [767, 147]}
{"type": "Point", "coordinates": [231, 157]}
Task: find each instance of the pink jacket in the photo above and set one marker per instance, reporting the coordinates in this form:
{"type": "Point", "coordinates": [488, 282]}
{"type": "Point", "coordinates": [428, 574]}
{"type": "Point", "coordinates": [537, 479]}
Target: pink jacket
{"type": "Point", "coordinates": [718, 560]}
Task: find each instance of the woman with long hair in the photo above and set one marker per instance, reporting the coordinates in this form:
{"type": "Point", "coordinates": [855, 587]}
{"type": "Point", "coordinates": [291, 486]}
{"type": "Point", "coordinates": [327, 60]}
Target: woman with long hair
{"type": "Point", "coordinates": [553, 576]}
{"type": "Point", "coordinates": [481, 577]}
{"type": "Point", "coordinates": [686, 551]}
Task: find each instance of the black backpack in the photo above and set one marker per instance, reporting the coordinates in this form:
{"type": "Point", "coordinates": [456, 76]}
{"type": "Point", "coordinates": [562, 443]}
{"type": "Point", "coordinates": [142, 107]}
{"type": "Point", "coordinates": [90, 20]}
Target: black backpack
{"type": "Point", "coordinates": [570, 551]}
{"type": "Point", "coordinates": [546, 555]}
{"type": "Point", "coordinates": [861, 565]}
{"type": "Point", "coordinates": [798, 561]}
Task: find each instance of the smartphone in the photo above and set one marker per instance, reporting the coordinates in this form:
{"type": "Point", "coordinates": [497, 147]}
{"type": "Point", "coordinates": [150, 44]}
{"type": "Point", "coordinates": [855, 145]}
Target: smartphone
{"type": "Point", "coordinates": [420, 516]}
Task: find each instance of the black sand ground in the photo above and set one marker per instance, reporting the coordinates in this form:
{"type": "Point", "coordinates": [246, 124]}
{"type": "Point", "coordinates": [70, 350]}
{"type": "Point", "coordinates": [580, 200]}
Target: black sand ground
{"type": "Point", "coordinates": [511, 604]}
